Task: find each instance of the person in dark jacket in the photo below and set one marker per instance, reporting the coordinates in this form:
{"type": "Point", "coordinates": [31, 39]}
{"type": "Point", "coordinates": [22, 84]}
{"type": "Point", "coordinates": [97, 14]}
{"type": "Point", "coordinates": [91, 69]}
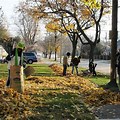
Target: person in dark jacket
{"type": "Point", "coordinates": [74, 62]}
{"type": "Point", "coordinates": [118, 64]}
{"type": "Point", "coordinates": [92, 67]}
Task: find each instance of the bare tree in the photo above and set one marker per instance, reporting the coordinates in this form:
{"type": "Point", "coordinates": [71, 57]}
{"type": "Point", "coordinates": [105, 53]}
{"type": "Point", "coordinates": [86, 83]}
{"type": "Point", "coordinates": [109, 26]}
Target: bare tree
{"type": "Point", "coordinates": [27, 28]}
{"type": "Point", "coordinates": [5, 40]}
{"type": "Point", "coordinates": [51, 44]}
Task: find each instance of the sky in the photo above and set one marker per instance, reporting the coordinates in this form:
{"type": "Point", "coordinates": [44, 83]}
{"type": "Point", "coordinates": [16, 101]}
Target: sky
{"type": "Point", "coordinates": [8, 7]}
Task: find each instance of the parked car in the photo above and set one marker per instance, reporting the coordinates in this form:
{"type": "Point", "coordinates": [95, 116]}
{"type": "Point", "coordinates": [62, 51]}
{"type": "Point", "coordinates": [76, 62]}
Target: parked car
{"type": "Point", "coordinates": [30, 57]}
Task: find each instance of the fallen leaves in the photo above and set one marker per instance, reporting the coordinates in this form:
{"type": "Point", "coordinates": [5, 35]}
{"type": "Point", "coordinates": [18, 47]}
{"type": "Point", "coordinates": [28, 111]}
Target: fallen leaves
{"type": "Point", "coordinates": [93, 95]}
{"type": "Point", "coordinates": [54, 97]}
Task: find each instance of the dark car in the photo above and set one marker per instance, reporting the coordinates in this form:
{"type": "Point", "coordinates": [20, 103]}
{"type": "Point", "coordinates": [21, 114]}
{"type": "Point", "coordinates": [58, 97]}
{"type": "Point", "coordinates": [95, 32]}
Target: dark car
{"type": "Point", "coordinates": [30, 57]}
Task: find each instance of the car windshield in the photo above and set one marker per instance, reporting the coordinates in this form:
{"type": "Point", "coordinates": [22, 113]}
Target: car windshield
{"type": "Point", "coordinates": [28, 54]}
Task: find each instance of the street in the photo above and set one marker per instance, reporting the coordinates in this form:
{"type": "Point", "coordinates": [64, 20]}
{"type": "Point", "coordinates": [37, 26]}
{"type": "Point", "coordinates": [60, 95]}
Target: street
{"type": "Point", "coordinates": [103, 66]}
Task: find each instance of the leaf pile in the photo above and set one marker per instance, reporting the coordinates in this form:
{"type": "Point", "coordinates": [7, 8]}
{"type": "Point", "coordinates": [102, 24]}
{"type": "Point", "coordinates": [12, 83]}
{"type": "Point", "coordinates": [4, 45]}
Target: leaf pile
{"type": "Point", "coordinates": [92, 95]}
{"type": "Point", "coordinates": [56, 97]}
{"type": "Point", "coordinates": [50, 98]}
{"type": "Point", "coordinates": [13, 105]}
{"type": "Point", "coordinates": [58, 69]}
{"type": "Point", "coordinates": [45, 98]}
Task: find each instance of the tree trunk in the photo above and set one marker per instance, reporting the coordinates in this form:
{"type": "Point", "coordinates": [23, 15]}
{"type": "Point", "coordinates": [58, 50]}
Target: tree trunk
{"type": "Point", "coordinates": [91, 55]}
{"type": "Point", "coordinates": [55, 55]}
{"type": "Point", "coordinates": [55, 45]}
{"type": "Point", "coordinates": [113, 82]}
{"type": "Point", "coordinates": [50, 54]}
{"type": "Point", "coordinates": [74, 46]}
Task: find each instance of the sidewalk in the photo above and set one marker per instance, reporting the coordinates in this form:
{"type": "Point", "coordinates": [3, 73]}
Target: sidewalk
{"type": "Point", "coordinates": [108, 112]}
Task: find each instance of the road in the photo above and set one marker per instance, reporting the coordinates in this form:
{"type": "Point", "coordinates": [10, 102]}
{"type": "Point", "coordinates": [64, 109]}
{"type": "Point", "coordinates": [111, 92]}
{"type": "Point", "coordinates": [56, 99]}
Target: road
{"type": "Point", "coordinates": [103, 66]}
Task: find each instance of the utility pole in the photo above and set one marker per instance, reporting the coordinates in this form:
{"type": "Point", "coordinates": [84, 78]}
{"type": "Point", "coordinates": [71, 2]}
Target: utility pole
{"type": "Point", "coordinates": [114, 37]}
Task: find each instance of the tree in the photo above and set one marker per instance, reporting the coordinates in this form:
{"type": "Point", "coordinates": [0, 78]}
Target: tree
{"type": "Point", "coordinates": [54, 27]}
{"type": "Point", "coordinates": [3, 30]}
{"type": "Point", "coordinates": [27, 27]}
{"type": "Point", "coordinates": [4, 34]}
{"type": "Point", "coordinates": [113, 82]}
{"type": "Point", "coordinates": [83, 14]}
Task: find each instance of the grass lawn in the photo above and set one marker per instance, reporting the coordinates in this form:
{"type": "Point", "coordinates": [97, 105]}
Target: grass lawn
{"type": "Point", "coordinates": [51, 97]}
{"type": "Point", "coordinates": [3, 70]}
{"type": "Point", "coordinates": [101, 79]}
{"type": "Point", "coordinates": [44, 70]}
{"type": "Point", "coordinates": [40, 70]}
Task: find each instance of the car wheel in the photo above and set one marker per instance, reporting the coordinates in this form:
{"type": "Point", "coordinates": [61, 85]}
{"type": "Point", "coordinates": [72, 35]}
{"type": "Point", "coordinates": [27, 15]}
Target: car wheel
{"type": "Point", "coordinates": [30, 61]}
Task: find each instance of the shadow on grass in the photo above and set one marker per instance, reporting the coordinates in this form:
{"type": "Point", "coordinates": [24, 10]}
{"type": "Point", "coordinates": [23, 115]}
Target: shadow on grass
{"type": "Point", "coordinates": [102, 80]}
{"type": "Point", "coordinates": [44, 74]}
{"type": "Point", "coordinates": [61, 106]}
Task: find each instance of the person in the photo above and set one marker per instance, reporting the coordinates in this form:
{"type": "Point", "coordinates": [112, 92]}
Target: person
{"type": "Point", "coordinates": [118, 64]}
{"type": "Point", "coordinates": [92, 67]}
{"type": "Point", "coordinates": [65, 63]}
{"type": "Point", "coordinates": [75, 61]}
{"type": "Point", "coordinates": [11, 59]}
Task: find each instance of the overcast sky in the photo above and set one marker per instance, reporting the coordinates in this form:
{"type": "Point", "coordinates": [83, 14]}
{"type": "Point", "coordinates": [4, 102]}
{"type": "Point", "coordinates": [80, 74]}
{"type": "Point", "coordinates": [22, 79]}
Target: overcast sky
{"type": "Point", "coordinates": [8, 7]}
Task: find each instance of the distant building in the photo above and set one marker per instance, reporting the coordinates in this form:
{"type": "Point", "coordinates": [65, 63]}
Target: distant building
{"type": "Point", "coordinates": [3, 53]}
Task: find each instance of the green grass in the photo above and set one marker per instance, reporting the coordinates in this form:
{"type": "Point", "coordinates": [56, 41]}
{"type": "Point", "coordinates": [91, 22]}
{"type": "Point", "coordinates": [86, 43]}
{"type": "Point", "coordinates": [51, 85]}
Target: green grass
{"type": "Point", "coordinates": [45, 70]}
{"type": "Point", "coordinates": [101, 79]}
{"type": "Point", "coordinates": [40, 70]}
{"type": "Point", "coordinates": [51, 102]}
{"type": "Point", "coordinates": [3, 70]}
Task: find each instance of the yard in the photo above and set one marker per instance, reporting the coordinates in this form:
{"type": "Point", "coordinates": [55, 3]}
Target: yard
{"type": "Point", "coordinates": [50, 96]}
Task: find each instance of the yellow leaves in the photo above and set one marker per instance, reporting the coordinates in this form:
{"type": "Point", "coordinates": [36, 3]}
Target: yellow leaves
{"type": "Point", "coordinates": [93, 4]}
{"type": "Point", "coordinates": [56, 68]}
{"type": "Point", "coordinates": [46, 95]}
{"type": "Point", "coordinates": [93, 95]}
{"type": "Point", "coordinates": [12, 103]}
{"type": "Point", "coordinates": [85, 12]}
{"type": "Point", "coordinates": [55, 26]}
{"type": "Point", "coordinates": [52, 27]}
{"type": "Point", "coordinates": [36, 14]}
{"type": "Point", "coordinates": [71, 26]}
{"type": "Point", "coordinates": [9, 117]}
{"type": "Point", "coordinates": [43, 1]}
{"type": "Point", "coordinates": [56, 20]}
